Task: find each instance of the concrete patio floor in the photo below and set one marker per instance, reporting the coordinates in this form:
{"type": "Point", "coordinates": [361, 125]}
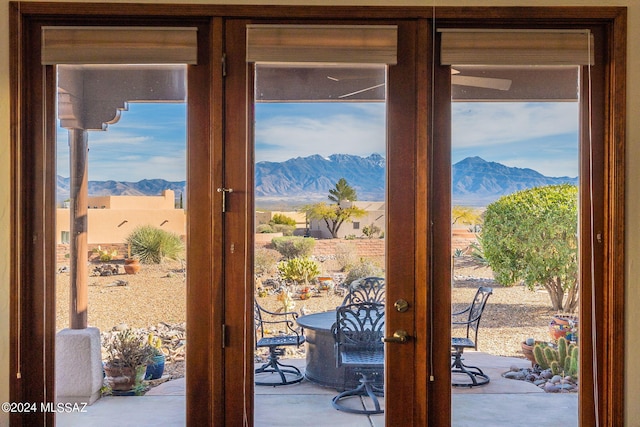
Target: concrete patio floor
{"type": "Point", "coordinates": [502, 402]}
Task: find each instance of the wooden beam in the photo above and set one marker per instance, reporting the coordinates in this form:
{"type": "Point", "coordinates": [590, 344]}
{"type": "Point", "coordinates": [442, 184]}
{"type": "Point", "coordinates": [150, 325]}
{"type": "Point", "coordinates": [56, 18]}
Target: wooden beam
{"type": "Point", "coordinates": [78, 153]}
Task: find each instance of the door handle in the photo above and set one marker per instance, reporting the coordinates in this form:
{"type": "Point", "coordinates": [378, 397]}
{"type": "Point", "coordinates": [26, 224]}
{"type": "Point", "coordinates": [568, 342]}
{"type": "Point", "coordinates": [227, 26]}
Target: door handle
{"type": "Point", "coordinates": [400, 336]}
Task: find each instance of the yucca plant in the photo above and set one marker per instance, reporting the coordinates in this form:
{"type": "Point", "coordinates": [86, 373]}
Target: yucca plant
{"type": "Point", "coordinates": [152, 245]}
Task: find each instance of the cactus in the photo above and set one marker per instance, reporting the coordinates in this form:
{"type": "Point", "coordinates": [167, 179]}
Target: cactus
{"type": "Point", "coordinates": [550, 355]}
{"type": "Point", "coordinates": [573, 370]}
{"type": "Point", "coordinates": [562, 349]}
{"type": "Point", "coordinates": [552, 358]}
{"type": "Point", "coordinates": [541, 360]}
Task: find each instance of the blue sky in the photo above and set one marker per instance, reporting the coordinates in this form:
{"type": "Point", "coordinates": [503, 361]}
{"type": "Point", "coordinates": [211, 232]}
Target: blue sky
{"type": "Point", "coordinates": [149, 139]}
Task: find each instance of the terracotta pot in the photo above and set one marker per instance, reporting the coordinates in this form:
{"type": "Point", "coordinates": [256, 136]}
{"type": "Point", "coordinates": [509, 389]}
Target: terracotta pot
{"type": "Point", "coordinates": [131, 266]}
{"type": "Point", "coordinates": [120, 378]}
{"type": "Point", "coordinates": [563, 326]}
{"type": "Point", "coordinates": [527, 350]}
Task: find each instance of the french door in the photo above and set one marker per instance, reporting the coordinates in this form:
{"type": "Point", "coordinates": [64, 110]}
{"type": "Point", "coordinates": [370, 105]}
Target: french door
{"type": "Point", "coordinates": [403, 271]}
{"type": "Point", "coordinates": [219, 281]}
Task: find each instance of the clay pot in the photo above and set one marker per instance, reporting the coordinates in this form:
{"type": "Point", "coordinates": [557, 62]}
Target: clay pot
{"type": "Point", "coordinates": [123, 378]}
{"type": "Point", "coordinates": [527, 350]}
{"type": "Point", "coordinates": [131, 266]}
{"type": "Point", "coordinates": [563, 326]}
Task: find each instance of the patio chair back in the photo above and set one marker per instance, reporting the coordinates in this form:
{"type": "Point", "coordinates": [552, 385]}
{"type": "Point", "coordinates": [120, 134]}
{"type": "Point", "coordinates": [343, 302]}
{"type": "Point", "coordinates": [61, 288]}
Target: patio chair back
{"type": "Point", "coordinates": [366, 289]}
{"type": "Point", "coordinates": [473, 314]}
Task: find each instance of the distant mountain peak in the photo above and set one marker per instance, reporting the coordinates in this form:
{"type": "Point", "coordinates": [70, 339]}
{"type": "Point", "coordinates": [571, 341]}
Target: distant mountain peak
{"type": "Point", "coordinates": [474, 181]}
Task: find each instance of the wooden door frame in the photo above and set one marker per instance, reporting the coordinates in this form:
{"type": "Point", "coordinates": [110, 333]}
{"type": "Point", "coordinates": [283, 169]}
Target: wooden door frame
{"type": "Point", "coordinates": [33, 231]}
{"type": "Point", "coordinates": [402, 168]}
{"type": "Point", "coordinates": [607, 108]}
{"type": "Point", "coordinates": [32, 263]}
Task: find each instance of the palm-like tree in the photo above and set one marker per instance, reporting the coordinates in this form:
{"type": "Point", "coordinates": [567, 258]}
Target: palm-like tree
{"type": "Point", "coordinates": [342, 192]}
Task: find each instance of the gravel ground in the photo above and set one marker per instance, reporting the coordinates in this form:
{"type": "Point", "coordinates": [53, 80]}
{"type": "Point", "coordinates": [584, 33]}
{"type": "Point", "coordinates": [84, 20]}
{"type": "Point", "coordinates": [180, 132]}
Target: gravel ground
{"type": "Point", "coordinates": [157, 294]}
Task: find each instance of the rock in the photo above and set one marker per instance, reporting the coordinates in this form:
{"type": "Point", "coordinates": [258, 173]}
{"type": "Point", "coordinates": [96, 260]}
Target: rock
{"type": "Point", "coordinates": [546, 374]}
{"type": "Point", "coordinates": [514, 368]}
{"type": "Point", "coordinates": [514, 375]}
{"type": "Point", "coordinates": [551, 388]}
{"type": "Point", "coordinates": [556, 379]}
{"type": "Point", "coordinates": [540, 382]}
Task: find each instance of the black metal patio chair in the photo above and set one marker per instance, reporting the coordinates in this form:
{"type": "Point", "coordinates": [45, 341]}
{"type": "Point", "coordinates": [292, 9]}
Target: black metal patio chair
{"type": "Point", "coordinates": [276, 331]}
{"type": "Point", "coordinates": [473, 313]}
{"type": "Point", "coordinates": [366, 289]}
{"type": "Point", "coordinates": [358, 334]}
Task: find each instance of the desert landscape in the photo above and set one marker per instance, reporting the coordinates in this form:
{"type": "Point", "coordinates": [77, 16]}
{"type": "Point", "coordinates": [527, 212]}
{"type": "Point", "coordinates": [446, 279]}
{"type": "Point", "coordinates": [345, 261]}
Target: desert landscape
{"type": "Point", "coordinates": [155, 300]}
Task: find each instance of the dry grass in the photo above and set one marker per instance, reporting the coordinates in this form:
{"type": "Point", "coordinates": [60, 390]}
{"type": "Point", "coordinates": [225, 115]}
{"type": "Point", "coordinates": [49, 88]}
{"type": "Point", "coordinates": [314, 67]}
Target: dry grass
{"type": "Point", "coordinates": [158, 294]}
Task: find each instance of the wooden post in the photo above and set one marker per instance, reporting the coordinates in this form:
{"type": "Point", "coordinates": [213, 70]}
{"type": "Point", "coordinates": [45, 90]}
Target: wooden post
{"type": "Point", "coordinates": [79, 188]}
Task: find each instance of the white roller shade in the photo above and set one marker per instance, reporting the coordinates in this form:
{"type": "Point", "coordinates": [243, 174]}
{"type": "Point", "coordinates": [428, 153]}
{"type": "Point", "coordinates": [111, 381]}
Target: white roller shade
{"type": "Point", "coordinates": [516, 47]}
{"type": "Point", "coordinates": [339, 44]}
{"type": "Point", "coordinates": [119, 45]}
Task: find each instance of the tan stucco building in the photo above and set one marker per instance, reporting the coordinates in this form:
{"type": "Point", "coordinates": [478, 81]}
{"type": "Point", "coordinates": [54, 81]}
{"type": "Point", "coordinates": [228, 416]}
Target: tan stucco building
{"type": "Point", "coordinates": [112, 218]}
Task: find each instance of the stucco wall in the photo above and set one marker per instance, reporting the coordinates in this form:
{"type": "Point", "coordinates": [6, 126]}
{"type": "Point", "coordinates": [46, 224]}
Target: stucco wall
{"type": "Point", "coordinates": [114, 225]}
{"type": "Point", "coordinates": [632, 335]}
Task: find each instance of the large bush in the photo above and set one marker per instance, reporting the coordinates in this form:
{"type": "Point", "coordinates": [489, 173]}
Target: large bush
{"type": "Point", "coordinates": [294, 246]}
{"type": "Point", "coordinates": [532, 236]}
{"type": "Point", "coordinates": [265, 260]}
{"type": "Point", "coordinates": [363, 268]}
{"type": "Point", "coordinates": [152, 245]}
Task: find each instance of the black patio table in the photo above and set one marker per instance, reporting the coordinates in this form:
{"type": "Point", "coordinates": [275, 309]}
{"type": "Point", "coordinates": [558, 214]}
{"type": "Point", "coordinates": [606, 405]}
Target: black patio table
{"type": "Point", "coordinates": [321, 366]}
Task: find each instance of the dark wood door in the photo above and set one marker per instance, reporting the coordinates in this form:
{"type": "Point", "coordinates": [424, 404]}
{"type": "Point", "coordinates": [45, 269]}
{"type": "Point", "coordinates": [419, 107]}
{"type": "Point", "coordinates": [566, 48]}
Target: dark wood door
{"type": "Point", "coordinates": [404, 233]}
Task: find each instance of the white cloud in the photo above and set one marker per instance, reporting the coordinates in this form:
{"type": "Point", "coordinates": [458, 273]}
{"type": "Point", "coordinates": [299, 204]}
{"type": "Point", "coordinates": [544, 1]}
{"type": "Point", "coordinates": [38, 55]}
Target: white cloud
{"type": "Point", "coordinates": [283, 137]}
{"type": "Point", "coordinates": [483, 124]}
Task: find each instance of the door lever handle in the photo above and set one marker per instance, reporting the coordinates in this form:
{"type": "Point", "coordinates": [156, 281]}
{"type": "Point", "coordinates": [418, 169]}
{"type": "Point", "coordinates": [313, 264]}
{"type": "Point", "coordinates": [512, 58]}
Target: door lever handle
{"type": "Point", "coordinates": [400, 336]}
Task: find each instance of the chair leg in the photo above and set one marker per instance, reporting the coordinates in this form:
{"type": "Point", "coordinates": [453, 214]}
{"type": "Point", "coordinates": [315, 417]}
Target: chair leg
{"type": "Point", "coordinates": [475, 374]}
{"type": "Point", "coordinates": [366, 388]}
{"type": "Point", "coordinates": [273, 365]}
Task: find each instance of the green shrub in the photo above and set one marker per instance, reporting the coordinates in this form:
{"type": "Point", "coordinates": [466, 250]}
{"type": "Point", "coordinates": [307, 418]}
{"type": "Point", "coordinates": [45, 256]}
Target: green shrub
{"type": "Point", "coordinates": [282, 220]}
{"type": "Point", "coordinates": [265, 260]}
{"type": "Point", "coordinates": [364, 268]}
{"type": "Point", "coordinates": [286, 230]}
{"type": "Point", "coordinates": [293, 246]}
{"type": "Point", "coordinates": [299, 270]}
{"type": "Point", "coordinates": [264, 228]}
{"type": "Point", "coordinates": [152, 245]}
{"type": "Point", "coordinates": [371, 230]}
{"type": "Point", "coordinates": [532, 236]}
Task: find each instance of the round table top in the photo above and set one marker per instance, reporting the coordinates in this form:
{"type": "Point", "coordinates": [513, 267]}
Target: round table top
{"type": "Point", "coordinates": [318, 321]}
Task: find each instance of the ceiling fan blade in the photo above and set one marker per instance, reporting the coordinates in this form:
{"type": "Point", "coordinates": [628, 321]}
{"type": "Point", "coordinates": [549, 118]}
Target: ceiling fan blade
{"type": "Point", "coordinates": [484, 82]}
{"type": "Point", "coordinates": [346, 95]}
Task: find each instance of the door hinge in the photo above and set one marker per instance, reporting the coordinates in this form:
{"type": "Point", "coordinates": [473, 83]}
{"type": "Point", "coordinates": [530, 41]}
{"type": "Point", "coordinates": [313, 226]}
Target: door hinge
{"type": "Point", "coordinates": [224, 336]}
{"type": "Point", "coordinates": [224, 65]}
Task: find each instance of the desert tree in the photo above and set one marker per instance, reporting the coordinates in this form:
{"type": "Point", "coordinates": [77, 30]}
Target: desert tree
{"type": "Point", "coordinates": [337, 213]}
{"type": "Point", "coordinates": [532, 237]}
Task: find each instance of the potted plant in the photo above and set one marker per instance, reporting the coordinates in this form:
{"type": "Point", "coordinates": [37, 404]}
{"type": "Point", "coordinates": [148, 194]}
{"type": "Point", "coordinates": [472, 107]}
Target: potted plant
{"type": "Point", "coordinates": [156, 368]}
{"type": "Point", "coordinates": [127, 356]}
{"type": "Point", "coordinates": [527, 349]}
{"type": "Point", "coordinates": [131, 265]}
{"type": "Point", "coordinates": [564, 325]}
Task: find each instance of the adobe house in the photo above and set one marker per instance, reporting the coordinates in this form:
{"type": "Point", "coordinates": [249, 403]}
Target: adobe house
{"type": "Point", "coordinates": [622, 212]}
{"type": "Point", "coordinates": [112, 218]}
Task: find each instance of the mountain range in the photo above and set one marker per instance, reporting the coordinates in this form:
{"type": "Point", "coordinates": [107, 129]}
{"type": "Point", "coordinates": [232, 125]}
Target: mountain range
{"type": "Point", "coordinates": [475, 181]}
